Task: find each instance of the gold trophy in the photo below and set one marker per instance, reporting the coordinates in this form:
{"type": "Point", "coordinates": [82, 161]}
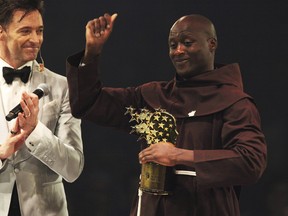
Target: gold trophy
{"type": "Point", "coordinates": [154, 127]}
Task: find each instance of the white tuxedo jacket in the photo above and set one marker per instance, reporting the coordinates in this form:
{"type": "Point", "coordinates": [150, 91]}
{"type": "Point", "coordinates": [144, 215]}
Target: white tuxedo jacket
{"type": "Point", "coordinates": [53, 151]}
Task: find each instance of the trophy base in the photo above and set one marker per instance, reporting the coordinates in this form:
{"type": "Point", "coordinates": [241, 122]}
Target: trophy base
{"type": "Point", "coordinates": [157, 179]}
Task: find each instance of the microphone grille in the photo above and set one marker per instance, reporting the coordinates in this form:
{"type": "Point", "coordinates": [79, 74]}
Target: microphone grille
{"type": "Point", "coordinates": [44, 88]}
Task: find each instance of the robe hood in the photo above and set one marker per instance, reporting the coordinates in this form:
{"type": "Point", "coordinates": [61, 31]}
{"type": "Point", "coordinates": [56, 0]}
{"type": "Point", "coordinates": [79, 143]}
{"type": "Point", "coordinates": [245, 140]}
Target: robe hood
{"type": "Point", "coordinates": [203, 94]}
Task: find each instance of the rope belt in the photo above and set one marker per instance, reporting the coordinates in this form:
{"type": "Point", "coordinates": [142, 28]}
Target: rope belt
{"type": "Point", "coordinates": [185, 172]}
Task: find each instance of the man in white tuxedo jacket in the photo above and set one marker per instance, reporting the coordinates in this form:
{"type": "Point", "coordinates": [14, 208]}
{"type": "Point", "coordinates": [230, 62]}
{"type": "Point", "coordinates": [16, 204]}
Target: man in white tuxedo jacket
{"type": "Point", "coordinates": [52, 150]}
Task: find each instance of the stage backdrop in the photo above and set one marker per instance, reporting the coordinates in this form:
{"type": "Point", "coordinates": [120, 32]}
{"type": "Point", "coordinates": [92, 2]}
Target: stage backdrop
{"type": "Point", "coordinates": [252, 33]}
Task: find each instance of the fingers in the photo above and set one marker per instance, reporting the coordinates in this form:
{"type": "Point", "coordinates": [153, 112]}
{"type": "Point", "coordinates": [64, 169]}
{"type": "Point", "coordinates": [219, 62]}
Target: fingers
{"type": "Point", "coordinates": [100, 25]}
{"type": "Point", "coordinates": [161, 153]}
{"type": "Point", "coordinates": [26, 111]}
{"type": "Point", "coordinates": [15, 128]}
{"type": "Point", "coordinates": [18, 141]}
{"type": "Point", "coordinates": [29, 104]}
{"type": "Point", "coordinates": [28, 119]}
{"type": "Point", "coordinates": [146, 155]}
{"type": "Point", "coordinates": [12, 144]}
{"type": "Point", "coordinates": [110, 19]}
{"type": "Point", "coordinates": [98, 31]}
{"type": "Point", "coordinates": [145, 159]}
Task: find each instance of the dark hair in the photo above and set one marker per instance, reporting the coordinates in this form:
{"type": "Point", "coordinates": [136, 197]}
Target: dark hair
{"type": "Point", "coordinates": [8, 7]}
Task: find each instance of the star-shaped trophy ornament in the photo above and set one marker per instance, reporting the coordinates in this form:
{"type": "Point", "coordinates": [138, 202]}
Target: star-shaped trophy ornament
{"type": "Point", "coordinates": [154, 126]}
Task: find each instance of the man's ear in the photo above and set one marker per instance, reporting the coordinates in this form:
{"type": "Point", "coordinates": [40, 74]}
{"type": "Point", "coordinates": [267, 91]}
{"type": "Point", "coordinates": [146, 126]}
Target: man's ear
{"type": "Point", "coordinates": [212, 44]}
{"type": "Point", "coordinates": [1, 32]}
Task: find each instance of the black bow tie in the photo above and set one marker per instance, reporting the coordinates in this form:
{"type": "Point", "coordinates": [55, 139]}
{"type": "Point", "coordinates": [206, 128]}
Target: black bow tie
{"type": "Point", "coordinates": [9, 74]}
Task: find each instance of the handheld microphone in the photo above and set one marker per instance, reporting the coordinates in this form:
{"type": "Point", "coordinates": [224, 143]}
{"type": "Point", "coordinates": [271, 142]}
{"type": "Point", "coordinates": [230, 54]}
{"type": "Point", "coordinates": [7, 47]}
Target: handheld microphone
{"type": "Point", "coordinates": [40, 91]}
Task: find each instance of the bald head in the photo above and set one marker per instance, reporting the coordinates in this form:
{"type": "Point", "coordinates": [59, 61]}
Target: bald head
{"type": "Point", "coordinates": [194, 23]}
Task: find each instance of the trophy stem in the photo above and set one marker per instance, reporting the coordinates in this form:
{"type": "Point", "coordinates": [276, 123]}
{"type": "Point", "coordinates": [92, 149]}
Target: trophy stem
{"type": "Point", "coordinates": [157, 179]}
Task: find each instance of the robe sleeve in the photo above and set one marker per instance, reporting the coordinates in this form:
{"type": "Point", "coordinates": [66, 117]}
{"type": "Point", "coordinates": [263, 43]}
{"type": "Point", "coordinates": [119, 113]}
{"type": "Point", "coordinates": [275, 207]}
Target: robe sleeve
{"type": "Point", "coordinates": [243, 157]}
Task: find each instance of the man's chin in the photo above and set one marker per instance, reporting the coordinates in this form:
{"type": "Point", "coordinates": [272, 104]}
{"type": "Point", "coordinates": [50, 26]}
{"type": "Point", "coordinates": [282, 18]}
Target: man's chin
{"type": "Point", "coordinates": [31, 54]}
{"type": "Point", "coordinates": [31, 58]}
{"type": "Point", "coordinates": [182, 73]}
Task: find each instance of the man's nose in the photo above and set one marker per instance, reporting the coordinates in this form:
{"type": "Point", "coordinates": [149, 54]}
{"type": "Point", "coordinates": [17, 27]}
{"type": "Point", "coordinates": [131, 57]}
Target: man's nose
{"type": "Point", "coordinates": [35, 37]}
{"type": "Point", "coordinates": [179, 49]}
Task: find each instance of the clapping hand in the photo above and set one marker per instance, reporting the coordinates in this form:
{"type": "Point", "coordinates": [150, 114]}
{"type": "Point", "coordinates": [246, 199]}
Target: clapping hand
{"type": "Point", "coordinates": [24, 124]}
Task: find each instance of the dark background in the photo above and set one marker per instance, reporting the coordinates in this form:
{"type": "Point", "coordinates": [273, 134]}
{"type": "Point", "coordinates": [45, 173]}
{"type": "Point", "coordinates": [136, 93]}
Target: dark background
{"type": "Point", "coordinates": [252, 33]}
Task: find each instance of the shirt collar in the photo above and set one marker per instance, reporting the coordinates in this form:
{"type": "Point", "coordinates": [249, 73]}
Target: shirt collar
{"type": "Point", "coordinates": [5, 64]}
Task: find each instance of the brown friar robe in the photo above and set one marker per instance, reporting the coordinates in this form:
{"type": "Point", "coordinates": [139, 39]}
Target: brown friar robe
{"type": "Point", "coordinates": [215, 118]}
